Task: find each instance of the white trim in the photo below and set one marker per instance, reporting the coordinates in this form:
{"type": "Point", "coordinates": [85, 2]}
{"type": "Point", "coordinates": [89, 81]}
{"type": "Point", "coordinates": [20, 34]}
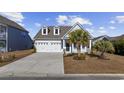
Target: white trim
{"type": "Point", "coordinates": [6, 32]}
{"type": "Point", "coordinates": [57, 29]}
{"type": "Point", "coordinates": [6, 39]}
{"type": "Point", "coordinates": [46, 31]}
{"type": "Point", "coordinates": [63, 41]}
{"type": "Point", "coordinates": [80, 27]}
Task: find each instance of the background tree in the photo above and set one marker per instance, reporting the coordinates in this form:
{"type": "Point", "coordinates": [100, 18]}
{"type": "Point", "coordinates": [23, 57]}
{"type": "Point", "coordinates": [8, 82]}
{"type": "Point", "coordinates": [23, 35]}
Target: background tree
{"type": "Point", "coordinates": [79, 37]}
{"type": "Point", "coordinates": [119, 46]}
{"type": "Point", "coordinates": [103, 46]}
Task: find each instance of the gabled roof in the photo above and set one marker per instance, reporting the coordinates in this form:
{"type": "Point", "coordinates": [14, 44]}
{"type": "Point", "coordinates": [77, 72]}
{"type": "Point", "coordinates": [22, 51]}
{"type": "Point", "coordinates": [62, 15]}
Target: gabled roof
{"type": "Point", "coordinates": [11, 23]}
{"type": "Point", "coordinates": [78, 24]}
{"type": "Point", "coordinates": [102, 37]}
{"type": "Point", "coordinates": [63, 32]}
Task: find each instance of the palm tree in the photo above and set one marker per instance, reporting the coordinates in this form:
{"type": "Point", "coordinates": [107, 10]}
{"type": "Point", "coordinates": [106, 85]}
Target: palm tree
{"type": "Point", "coordinates": [79, 37]}
{"type": "Point", "coordinates": [103, 46]}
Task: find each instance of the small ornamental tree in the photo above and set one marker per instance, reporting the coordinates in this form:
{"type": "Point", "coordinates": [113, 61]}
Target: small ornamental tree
{"type": "Point", "coordinates": [103, 46]}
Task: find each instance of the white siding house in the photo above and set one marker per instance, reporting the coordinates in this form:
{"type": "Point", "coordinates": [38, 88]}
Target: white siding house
{"type": "Point", "coordinates": [55, 39]}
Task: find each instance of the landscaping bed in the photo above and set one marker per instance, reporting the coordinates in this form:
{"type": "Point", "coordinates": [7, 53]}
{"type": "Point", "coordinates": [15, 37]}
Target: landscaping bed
{"type": "Point", "coordinates": [8, 57]}
{"type": "Point", "coordinates": [94, 65]}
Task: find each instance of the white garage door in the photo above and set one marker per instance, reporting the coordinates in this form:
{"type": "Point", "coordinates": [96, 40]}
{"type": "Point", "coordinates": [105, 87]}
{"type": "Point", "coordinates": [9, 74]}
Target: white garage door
{"type": "Point", "coordinates": [48, 46]}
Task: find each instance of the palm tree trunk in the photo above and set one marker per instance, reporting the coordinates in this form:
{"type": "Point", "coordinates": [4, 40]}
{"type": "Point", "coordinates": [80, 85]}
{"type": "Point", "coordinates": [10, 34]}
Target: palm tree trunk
{"type": "Point", "coordinates": [102, 54]}
{"type": "Point", "coordinates": [79, 51]}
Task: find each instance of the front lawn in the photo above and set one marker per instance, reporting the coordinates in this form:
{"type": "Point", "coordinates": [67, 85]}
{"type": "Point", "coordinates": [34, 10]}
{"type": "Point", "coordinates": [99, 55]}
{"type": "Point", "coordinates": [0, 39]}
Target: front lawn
{"type": "Point", "coordinates": [9, 57]}
{"type": "Point", "coordinates": [94, 65]}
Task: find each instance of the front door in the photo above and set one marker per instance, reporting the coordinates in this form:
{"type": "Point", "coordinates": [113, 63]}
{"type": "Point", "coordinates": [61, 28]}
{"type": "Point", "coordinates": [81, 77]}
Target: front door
{"type": "Point", "coordinates": [67, 47]}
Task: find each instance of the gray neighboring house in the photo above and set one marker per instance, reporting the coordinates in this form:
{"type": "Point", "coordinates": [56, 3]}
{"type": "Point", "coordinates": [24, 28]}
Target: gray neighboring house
{"type": "Point", "coordinates": [103, 37]}
{"type": "Point", "coordinates": [55, 39]}
{"type": "Point", "coordinates": [13, 37]}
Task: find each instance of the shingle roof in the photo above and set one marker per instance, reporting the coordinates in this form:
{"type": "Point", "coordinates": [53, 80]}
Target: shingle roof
{"type": "Point", "coordinates": [104, 36]}
{"type": "Point", "coordinates": [63, 30]}
{"type": "Point", "coordinates": [11, 23]}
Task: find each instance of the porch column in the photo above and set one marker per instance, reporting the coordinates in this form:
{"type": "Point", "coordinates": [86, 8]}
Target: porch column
{"type": "Point", "coordinates": [64, 44]}
{"type": "Point", "coordinates": [81, 49]}
{"type": "Point", "coordinates": [72, 47]}
{"type": "Point", "coordinates": [90, 45]}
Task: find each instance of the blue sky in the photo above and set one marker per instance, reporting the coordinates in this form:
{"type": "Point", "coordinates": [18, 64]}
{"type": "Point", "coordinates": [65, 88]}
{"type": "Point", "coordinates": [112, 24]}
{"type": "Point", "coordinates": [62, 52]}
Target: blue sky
{"type": "Point", "coordinates": [97, 23]}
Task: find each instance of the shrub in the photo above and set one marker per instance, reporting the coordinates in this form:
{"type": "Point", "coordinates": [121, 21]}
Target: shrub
{"type": "Point", "coordinates": [119, 46]}
{"type": "Point", "coordinates": [82, 57]}
{"type": "Point", "coordinates": [103, 46]}
{"type": "Point", "coordinates": [6, 58]}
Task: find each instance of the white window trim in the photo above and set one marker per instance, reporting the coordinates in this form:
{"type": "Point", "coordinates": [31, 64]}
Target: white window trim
{"type": "Point", "coordinates": [58, 30]}
{"type": "Point", "coordinates": [46, 30]}
{"type": "Point", "coordinates": [6, 36]}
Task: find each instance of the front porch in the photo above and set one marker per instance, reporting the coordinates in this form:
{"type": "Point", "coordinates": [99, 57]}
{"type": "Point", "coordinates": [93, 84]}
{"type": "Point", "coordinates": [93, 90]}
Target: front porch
{"type": "Point", "coordinates": [72, 48]}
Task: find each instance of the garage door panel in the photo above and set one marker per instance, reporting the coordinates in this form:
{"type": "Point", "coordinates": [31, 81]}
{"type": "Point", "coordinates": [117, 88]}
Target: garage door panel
{"type": "Point", "coordinates": [48, 46]}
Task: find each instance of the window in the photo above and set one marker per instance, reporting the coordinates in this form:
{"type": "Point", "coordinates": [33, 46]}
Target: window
{"type": "Point", "coordinates": [44, 31]}
{"type": "Point", "coordinates": [2, 44]}
{"type": "Point", "coordinates": [56, 31]}
{"type": "Point", "coordinates": [2, 29]}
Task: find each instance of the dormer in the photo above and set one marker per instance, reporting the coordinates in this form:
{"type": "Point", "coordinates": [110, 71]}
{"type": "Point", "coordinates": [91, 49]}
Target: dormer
{"type": "Point", "coordinates": [44, 30]}
{"type": "Point", "coordinates": [56, 30]}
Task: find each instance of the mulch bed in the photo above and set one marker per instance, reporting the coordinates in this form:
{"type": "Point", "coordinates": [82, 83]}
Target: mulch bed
{"type": "Point", "coordinates": [94, 65]}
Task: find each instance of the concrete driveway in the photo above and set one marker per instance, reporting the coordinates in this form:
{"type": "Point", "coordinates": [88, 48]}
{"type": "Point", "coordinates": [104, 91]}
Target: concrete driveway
{"type": "Point", "coordinates": [37, 63]}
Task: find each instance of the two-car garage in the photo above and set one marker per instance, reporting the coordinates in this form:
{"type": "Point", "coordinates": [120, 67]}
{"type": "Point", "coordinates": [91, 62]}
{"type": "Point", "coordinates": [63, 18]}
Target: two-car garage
{"type": "Point", "coordinates": [48, 46]}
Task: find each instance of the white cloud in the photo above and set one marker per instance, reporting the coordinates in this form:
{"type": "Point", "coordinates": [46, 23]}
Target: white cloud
{"type": "Point", "coordinates": [101, 28]}
{"type": "Point", "coordinates": [62, 19]}
{"type": "Point", "coordinates": [37, 24]}
{"type": "Point", "coordinates": [90, 30]}
{"type": "Point", "coordinates": [112, 27]}
{"type": "Point", "coordinates": [15, 16]}
{"type": "Point", "coordinates": [103, 31]}
{"type": "Point", "coordinates": [70, 20]}
{"type": "Point", "coordinates": [117, 19]}
{"type": "Point", "coordinates": [112, 21]}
